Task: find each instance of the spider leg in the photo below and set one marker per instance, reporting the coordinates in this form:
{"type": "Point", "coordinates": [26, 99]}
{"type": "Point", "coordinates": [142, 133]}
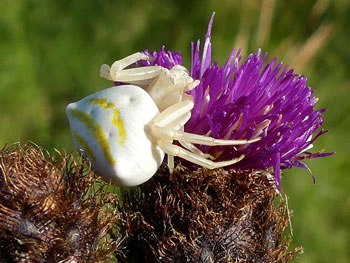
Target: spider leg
{"type": "Point", "coordinates": [105, 70]}
{"type": "Point", "coordinates": [105, 73]}
{"type": "Point", "coordinates": [123, 63]}
{"type": "Point", "coordinates": [167, 123]}
{"type": "Point", "coordinates": [178, 123]}
{"type": "Point", "coordinates": [172, 113]}
{"type": "Point", "coordinates": [135, 75]}
{"type": "Point", "coordinates": [129, 60]}
{"type": "Point", "coordinates": [142, 75]}
{"type": "Point", "coordinates": [192, 85]}
{"type": "Point", "coordinates": [193, 149]}
{"type": "Point", "coordinates": [175, 150]}
{"type": "Point", "coordinates": [171, 163]}
{"type": "Point", "coordinates": [171, 134]}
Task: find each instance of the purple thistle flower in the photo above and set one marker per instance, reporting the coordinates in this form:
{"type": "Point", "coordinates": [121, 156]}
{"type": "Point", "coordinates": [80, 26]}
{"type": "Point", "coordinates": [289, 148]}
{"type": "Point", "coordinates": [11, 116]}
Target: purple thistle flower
{"type": "Point", "coordinates": [166, 59]}
{"type": "Point", "coordinates": [247, 99]}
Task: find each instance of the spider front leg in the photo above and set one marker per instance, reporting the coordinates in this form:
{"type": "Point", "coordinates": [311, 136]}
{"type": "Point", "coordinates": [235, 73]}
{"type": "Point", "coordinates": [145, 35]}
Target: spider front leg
{"type": "Point", "coordinates": [193, 149]}
{"type": "Point", "coordinates": [174, 150]}
{"type": "Point", "coordinates": [168, 126]}
{"type": "Point", "coordinates": [138, 76]}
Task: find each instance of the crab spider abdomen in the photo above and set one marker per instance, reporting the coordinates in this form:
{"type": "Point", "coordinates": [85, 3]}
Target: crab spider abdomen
{"type": "Point", "coordinates": [109, 128]}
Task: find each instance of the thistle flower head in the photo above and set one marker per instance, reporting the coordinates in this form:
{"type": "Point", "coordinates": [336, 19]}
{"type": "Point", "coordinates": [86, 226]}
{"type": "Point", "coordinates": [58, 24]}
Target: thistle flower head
{"type": "Point", "coordinates": [167, 59]}
{"type": "Point", "coordinates": [251, 98]}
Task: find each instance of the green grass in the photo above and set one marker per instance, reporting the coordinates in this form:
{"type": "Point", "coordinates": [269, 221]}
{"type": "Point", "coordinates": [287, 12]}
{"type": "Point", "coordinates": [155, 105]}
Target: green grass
{"type": "Point", "coordinates": [51, 52]}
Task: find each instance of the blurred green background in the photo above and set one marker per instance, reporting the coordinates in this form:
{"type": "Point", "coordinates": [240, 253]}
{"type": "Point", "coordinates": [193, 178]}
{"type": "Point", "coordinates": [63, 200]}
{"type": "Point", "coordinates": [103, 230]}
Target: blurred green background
{"type": "Point", "coordinates": [51, 52]}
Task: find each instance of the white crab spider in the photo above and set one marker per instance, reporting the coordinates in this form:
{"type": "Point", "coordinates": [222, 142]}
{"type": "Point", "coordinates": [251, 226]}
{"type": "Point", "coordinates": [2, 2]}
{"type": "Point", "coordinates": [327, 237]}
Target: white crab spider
{"type": "Point", "coordinates": [126, 130]}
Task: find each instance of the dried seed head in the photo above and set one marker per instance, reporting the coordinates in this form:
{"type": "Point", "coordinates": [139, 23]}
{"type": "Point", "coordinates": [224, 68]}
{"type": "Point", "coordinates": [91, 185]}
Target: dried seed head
{"type": "Point", "coordinates": [206, 216]}
{"type": "Point", "coordinates": [50, 211]}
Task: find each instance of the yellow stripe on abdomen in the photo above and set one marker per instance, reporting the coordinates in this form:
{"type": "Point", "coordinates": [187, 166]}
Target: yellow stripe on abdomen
{"type": "Point", "coordinates": [85, 146]}
{"type": "Point", "coordinates": [102, 103]}
{"type": "Point", "coordinates": [96, 131]}
{"type": "Point", "coordinates": [119, 123]}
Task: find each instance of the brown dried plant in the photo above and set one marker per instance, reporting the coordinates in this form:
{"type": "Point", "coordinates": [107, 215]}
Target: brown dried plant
{"type": "Point", "coordinates": [58, 211]}
{"type": "Point", "coordinates": [54, 210]}
{"type": "Point", "coordinates": [206, 216]}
